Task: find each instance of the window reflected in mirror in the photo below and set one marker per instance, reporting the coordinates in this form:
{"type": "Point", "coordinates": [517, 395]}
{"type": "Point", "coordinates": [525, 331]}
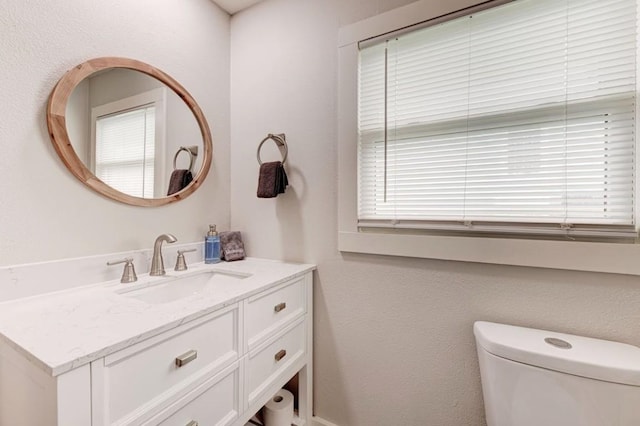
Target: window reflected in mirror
{"type": "Point", "coordinates": [124, 150]}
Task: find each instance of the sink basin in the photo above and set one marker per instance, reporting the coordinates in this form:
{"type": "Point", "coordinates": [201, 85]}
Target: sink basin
{"type": "Point", "coordinates": [171, 288]}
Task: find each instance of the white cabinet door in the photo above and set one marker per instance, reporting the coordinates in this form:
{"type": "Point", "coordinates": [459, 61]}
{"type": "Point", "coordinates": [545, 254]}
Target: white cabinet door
{"type": "Point", "coordinates": [129, 383]}
{"type": "Point", "coordinates": [266, 364]}
{"type": "Point", "coordinates": [218, 404]}
{"type": "Point", "coordinates": [268, 312]}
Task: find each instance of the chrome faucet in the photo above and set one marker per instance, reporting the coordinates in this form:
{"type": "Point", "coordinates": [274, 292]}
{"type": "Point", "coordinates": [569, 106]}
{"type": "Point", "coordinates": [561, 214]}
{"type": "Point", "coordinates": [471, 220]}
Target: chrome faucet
{"type": "Point", "coordinates": [157, 264]}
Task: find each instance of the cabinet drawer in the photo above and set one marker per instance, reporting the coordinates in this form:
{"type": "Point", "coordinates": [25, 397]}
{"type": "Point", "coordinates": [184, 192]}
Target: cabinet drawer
{"type": "Point", "coordinates": [145, 375]}
{"type": "Point", "coordinates": [216, 403]}
{"type": "Point", "coordinates": [265, 364]}
{"type": "Point", "coordinates": [269, 311]}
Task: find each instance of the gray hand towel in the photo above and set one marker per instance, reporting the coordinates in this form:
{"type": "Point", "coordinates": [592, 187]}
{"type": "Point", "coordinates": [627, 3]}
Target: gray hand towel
{"type": "Point", "coordinates": [272, 180]}
{"type": "Point", "coordinates": [231, 246]}
{"type": "Point", "coordinates": [179, 180]}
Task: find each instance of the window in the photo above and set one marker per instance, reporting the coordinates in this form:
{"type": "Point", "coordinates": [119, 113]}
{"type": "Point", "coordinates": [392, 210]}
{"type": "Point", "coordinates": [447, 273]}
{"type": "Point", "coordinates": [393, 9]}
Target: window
{"type": "Point", "coordinates": [128, 143]}
{"type": "Point", "coordinates": [125, 151]}
{"type": "Point", "coordinates": [516, 119]}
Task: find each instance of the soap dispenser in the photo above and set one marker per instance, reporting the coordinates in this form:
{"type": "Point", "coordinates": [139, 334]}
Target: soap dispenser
{"type": "Point", "coordinates": [212, 246]}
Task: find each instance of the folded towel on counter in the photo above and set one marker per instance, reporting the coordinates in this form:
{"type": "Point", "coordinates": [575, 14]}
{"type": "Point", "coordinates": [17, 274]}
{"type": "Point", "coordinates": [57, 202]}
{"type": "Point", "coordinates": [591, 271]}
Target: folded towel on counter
{"type": "Point", "coordinates": [231, 246]}
{"type": "Point", "coordinates": [272, 180]}
{"type": "Point", "coordinates": [179, 180]}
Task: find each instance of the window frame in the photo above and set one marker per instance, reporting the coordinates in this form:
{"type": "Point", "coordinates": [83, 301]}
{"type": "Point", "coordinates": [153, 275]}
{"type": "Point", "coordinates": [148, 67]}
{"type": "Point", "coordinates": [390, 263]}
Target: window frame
{"type": "Point", "coordinates": [155, 97]}
{"type": "Point", "coordinates": [572, 255]}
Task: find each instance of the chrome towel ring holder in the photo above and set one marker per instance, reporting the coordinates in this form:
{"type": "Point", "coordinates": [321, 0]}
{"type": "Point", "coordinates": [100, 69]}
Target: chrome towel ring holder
{"type": "Point", "coordinates": [280, 140]}
{"type": "Point", "coordinates": [193, 153]}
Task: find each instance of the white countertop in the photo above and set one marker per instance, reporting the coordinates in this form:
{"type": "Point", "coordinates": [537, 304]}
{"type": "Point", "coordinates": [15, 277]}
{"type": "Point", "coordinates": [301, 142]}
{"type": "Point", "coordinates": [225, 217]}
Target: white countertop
{"type": "Point", "coordinates": [61, 331]}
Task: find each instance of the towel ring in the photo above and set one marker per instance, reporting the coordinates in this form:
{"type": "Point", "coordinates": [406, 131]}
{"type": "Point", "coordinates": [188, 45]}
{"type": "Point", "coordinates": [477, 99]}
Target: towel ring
{"type": "Point", "coordinates": [193, 153]}
{"type": "Point", "coordinates": [280, 140]}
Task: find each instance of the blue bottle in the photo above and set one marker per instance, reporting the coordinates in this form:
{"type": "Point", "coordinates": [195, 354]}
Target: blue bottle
{"type": "Point", "coordinates": [212, 246]}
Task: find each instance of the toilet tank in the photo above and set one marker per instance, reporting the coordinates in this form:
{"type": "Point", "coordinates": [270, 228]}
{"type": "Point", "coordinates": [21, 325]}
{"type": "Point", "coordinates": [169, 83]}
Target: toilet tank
{"type": "Point", "coordinates": [541, 378]}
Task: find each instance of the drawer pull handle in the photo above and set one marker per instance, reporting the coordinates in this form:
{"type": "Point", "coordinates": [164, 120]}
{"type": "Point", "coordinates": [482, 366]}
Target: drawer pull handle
{"type": "Point", "coordinates": [192, 423]}
{"type": "Point", "coordinates": [279, 307]}
{"type": "Point", "coordinates": [185, 359]}
{"type": "Point", "coordinates": [281, 354]}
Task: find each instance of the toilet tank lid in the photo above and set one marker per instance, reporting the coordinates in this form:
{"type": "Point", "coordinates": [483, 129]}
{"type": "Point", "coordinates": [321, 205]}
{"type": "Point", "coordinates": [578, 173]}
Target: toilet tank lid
{"type": "Point", "coordinates": [592, 358]}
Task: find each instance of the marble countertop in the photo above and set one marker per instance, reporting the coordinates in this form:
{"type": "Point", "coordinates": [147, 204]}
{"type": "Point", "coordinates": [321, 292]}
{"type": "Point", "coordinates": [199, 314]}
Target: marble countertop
{"type": "Point", "coordinates": [63, 330]}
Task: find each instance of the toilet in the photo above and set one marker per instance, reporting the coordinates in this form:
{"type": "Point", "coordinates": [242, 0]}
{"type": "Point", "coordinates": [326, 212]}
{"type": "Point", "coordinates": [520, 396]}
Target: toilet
{"type": "Point", "coordinates": [541, 378]}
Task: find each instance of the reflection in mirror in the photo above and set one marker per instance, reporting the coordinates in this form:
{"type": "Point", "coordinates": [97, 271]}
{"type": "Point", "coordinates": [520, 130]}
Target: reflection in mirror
{"type": "Point", "coordinates": [127, 127]}
{"type": "Point", "coordinates": [129, 131]}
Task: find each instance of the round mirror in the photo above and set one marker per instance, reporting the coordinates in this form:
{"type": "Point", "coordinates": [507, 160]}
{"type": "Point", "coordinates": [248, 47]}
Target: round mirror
{"type": "Point", "coordinates": [129, 131]}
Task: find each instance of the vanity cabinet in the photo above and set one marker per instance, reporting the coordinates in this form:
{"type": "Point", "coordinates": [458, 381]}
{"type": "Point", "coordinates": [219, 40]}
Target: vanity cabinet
{"type": "Point", "coordinates": [216, 369]}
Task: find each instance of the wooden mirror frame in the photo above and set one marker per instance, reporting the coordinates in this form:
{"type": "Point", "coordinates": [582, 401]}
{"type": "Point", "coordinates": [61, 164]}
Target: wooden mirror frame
{"type": "Point", "coordinates": [57, 124]}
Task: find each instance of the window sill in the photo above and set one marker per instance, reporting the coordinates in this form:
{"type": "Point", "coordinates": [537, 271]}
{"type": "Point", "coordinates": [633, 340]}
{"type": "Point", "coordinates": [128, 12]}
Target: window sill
{"type": "Point", "coordinates": [579, 256]}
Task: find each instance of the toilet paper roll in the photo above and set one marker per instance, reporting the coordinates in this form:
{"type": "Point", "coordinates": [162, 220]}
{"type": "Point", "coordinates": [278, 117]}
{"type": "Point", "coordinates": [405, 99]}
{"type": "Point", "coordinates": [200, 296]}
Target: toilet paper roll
{"type": "Point", "coordinates": [279, 410]}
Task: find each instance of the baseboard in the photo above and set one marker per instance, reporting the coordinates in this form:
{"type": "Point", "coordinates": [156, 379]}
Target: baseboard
{"type": "Point", "coordinates": [318, 421]}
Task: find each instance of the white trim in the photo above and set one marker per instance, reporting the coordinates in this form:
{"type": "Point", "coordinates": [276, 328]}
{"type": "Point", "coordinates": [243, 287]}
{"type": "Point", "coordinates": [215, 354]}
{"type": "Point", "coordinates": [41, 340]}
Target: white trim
{"type": "Point", "coordinates": [319, 421]}
{"type": "Point", "coordinates": [571, 255]}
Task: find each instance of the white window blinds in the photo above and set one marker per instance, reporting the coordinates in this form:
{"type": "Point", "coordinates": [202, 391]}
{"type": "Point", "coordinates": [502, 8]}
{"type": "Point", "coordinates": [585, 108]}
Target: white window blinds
{"type": "Point", "coordinates": [517, 118]}
{"type": "Point", "coordinates": [125, 151]}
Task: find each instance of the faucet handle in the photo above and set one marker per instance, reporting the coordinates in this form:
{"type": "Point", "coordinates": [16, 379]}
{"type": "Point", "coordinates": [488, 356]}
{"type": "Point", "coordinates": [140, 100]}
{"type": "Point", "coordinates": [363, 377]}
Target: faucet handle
{"type": "Point", "coordinates": [129, 273]}
{"type": "Point", "coordinates": [181, 263]}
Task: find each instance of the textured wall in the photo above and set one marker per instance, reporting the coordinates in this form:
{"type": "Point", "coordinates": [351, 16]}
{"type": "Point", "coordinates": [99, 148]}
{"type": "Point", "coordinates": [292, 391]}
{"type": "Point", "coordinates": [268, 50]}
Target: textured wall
{"type": "Point", "coordinates": [45, 212]}
{"type": "Point", "coordinates": [394, 343]}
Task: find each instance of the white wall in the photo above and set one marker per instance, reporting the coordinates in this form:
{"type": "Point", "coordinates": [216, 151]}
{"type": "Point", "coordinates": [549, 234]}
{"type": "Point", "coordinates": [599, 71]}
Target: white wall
{"type": "Point", "coordinates": [79, 126]}
{"type": "Point", "coordinates": [45, 212]}
{"type": "Point", "coordinates": [394, 342]}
